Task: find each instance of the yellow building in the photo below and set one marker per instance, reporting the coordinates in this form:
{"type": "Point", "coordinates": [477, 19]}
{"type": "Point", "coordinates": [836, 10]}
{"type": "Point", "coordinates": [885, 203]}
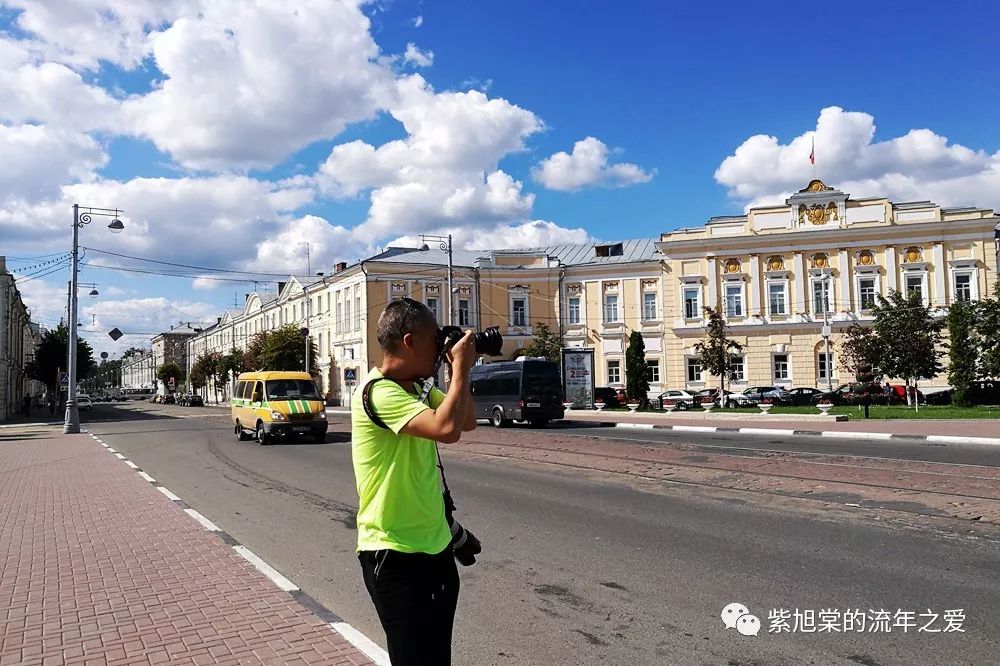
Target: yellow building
{"type": "Point", "coordinates": [773, 269]}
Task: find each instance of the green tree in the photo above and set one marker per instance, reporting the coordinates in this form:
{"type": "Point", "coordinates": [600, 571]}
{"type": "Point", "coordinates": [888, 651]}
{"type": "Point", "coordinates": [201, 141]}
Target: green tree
{"type": "Point", "coordinates": [963, 350]}
{"type": "Point", "coordinates": [284, 349]}
{"type": "Point", "coordinates": [861, 353]}
{"type": "Point", "coordinates": [201, 371]}
{"type": "Point", "coordinates": [50, 357]}
{"type": "Point", "coordinates": [636, 381]}
{"type": "Point", "coordinates": [910, 337]}
{"type": "Point", "coordinates": [717, 351]}
{"type": "Point", "coordinates": [988, 327]}
{"type": "Point", "coordinates": [253, 355]}
{"type": "Point", "coordinates": [545, 343]}
{"type": "Point", "coordinates": [168, 370]}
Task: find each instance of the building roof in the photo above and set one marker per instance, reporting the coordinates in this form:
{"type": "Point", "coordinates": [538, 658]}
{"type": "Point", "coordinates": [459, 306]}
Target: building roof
{"type": "Point", "coordinates": [579, 254]}
{"type": "Point", "coordinates": [432, 255]}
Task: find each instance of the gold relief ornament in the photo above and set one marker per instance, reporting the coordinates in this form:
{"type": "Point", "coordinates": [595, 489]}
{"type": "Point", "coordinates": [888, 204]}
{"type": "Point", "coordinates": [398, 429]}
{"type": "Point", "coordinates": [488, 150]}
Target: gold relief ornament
{"type": "Point", "coordinates": [820, 260]}
{"type": "Point", "coordinates": [775, 263]}
{"type": "Point", "coordinates": [912, 254]}
{"type": "Point", "coordinates": [866, 258]}
{"type": "Point", "coordinates": [733, 265]}
{"type": "Point", "coordinates": [817, 214]}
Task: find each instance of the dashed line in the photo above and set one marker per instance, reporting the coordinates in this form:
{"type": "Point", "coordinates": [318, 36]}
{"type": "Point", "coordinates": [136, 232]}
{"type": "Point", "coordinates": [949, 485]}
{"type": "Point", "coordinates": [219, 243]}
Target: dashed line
{"type": "Point", "coordinates": [690, 428]}
{"type": "Point", "coordinates": [131, 464]}
{"type": "Point", "coordinates": [847, 434]}
{"type": "Point", "coordinates": [205, 522]}
{"type": "Point", "coordinates": [147, 477]}
{"type": "Point", "coordinates": [169, 494]}
{"type": "Point", "coordinates": [266, 569]}
{"type": "Point", "coordinates": [111, 450]}
{"type": "Point", "coordinates": [766, 431]}
{"type": "Point", "coordinates": [119, 456]}
{"type": "Point", "coordinates": [362, 642]}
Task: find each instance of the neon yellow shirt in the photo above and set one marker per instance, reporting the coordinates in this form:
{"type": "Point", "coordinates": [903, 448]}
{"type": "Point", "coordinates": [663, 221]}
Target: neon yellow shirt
{"type": "Point", "coordinates": [400, 506]}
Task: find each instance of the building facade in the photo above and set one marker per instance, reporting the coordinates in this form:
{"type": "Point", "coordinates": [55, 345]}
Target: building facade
{"type": "Point", "coordinates": [19, 337]}
{"type": "Point", "coordinates": [139, 371]}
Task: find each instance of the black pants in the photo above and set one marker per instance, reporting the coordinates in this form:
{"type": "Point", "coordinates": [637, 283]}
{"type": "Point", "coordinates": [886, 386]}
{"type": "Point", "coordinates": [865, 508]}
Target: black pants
{"type": "Point", "coordinates": [415, 595]}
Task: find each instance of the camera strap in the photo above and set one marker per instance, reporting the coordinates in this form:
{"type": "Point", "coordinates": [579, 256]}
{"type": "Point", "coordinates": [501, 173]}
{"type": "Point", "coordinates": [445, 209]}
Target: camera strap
{"type": "Point", "coordinates": [366, 403]}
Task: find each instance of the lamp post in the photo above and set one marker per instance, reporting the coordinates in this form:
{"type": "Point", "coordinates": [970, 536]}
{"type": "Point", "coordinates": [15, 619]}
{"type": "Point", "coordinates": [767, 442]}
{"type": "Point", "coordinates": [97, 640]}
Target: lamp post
{"type": "Point", "coordinates": [444, 242]}
{"type": "Point", "coordinates": [81, 216]}
{"type": "Point", "coordinates": [826, 330]}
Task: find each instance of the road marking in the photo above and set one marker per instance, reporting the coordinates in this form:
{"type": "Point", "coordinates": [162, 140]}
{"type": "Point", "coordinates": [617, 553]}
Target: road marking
{"type": "Point", "coordinates": [362, 642]}
{"type": "Point", "coordinates": [954, 439]}
{"type": "Point", "coordinates": [119, 456]}
{"type": "Point", "coordinates": [687, 428]}
{"type": "Point", "coordinates": [266, 569]}
{"type": "Point", "coordinates": [131, 464]}
{"type": "Point", "coordinates": [168, 493]}
{"type": "Point", "coordinates": [147, 477]}
{"type": "Point", "coordinates": [856, 435]}
{"type": "Point", "coordinates": [766, 431]}
{"type": "Point", "coordinates": [111, 450]}
{"type": "Point", "coordinates": [205, 522]}
{"type": "Point", "coordinates": [636, 426]}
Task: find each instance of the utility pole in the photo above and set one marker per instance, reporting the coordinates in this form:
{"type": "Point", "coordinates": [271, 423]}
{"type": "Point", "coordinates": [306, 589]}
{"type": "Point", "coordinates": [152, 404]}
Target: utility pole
{"type": "Point", "coordinates": [451, 279]}
{"type": "Point", "coordinates": [826, 331]}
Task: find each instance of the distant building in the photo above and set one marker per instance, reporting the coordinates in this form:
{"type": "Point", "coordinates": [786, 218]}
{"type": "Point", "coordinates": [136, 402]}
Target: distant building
{"type": "Point", "coordinates": [19, 337]}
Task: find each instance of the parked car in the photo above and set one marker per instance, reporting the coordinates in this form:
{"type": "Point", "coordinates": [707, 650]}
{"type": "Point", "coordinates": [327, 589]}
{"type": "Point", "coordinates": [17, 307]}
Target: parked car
{"type": "Point", "coordinates": [682, 399]}
{"type": "Point", "coordinates": [803, 396]}
{"type": "Point", "coordinates": [154, 398]}
{"type": "Point", "coordinates": [182, 399]}
{"type": "Point", "coordinates": [84, 403]}
{"type": "Point", "coordinates": [612, 397]}
{"type": "Point", "coordinates": [528, 390]}
{"type": "Point", "coordinates": [194, 400]}
{"type": "Point", "coordinates": [899, 394]}
{"type": "Point", "coordinates": [754, 395]}
{"type": "Point", "coordinates": [711, 393]}
{"type": "Point", "coordinates": [985, 392]}
{"type": "Point", "coordinates": [168, 399]}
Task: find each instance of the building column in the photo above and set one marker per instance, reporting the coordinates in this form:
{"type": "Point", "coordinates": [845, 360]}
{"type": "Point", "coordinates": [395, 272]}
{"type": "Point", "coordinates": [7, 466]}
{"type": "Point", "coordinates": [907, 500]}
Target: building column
{"type": "Point", "coordinates": [940, 271]}
{"type": "Point", "coordinates": [754, 287]}
{"type": "Point", "coordinates": [845, 284]}
{"type": "Point", "coordinates": [891, 269]}
{"type": "Point", "coordinates": [713, 285]}
{"type": "Point", "coordinates": [800, 277]}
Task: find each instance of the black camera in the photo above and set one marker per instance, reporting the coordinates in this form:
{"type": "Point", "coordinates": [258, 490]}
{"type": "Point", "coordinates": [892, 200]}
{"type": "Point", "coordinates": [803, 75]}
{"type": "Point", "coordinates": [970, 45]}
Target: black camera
{"type": "Point", "coordinates": [464, 544]}
{"type": "Point", "coordinates": [488, 342]}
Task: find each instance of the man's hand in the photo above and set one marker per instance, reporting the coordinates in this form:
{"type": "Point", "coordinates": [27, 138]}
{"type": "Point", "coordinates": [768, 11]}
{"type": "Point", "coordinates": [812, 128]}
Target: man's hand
{"type": "Point", "coordinates": [463, 354]}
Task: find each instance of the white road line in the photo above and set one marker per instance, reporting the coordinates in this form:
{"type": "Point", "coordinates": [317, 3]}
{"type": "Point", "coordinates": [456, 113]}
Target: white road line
{"type": "Point", "coordinates": [168, 493]}
{"type": "Point", "coordinates": [856, 435]}
{"type": "Point", "coordinates": [266, 569]}
{"type": "Point", "coordinates": [766, 431]}
{"type": "Point", "coordinates": [119, 456]}
{"type": "Point", "coordinates": [111, 450]}
{"type": "Point", "coordinates": [362, 642]}
{"type": "Point", "coordinates": [131, 464]}
{"type": "Point", "coordinates": [687, 428]}
{"type": "Point", "coordinates": [205, 522]}
{"type": "Point", "coordinates": [636, 426]}
{"type": "Point", "coordinates": [147, 477]}
{"type": "Point", "coordinates": [954, 439]}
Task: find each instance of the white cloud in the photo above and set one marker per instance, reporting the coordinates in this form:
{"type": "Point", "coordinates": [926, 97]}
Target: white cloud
{"type": "Point", "coordinates": [38, 159]}
{"type": "Point", "coordinates": [139, 319]}
{"type": "Point", "coordinates": [537, 233]}
{"type": "Point", "coordinates": [918, 165]}
{"type": "Point", "coordinates": [286, 249]}
{"type": "Point", "coordinates": [414, 56]}
{"type": "Point", "coordinates": [587, 166]}
{"type": "Point", "coordinates": [246, 84]}
{"type": "Point", "coordinates": [418, 21]}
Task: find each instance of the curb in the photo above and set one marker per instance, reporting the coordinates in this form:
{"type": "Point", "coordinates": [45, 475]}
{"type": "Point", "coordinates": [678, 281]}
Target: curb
{"type": "Point", "coordinates": [361, 642]}
{"type": "Point", "coordinates": [848, 434]}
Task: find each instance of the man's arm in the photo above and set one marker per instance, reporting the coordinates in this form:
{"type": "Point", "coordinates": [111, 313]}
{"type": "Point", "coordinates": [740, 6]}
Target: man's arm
{"type": "Point", "coordinates": [446, 423]}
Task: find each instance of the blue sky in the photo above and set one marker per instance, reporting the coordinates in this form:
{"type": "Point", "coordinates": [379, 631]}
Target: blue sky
{"type": "Point", "coordinates": [670, 90]}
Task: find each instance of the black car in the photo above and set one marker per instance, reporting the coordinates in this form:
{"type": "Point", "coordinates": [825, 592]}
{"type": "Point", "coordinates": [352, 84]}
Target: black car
{"type": "Point", "coordinates": [608, 395]}
{"type": "Point", "coordinates": [803, 396]}
{"type": "Point", "coordinates": [985, 392]}
{"type": "Point", "coordinates": [528, 390]}
{"type": "Point", "coordinates": [194, 401]}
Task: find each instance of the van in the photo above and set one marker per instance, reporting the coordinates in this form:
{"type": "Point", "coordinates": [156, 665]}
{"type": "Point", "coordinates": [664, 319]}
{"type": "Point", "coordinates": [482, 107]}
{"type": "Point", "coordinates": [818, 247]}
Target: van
{"type": "Point", "coordinates": [523, 390]}
{"type": "Point", "coordinates": [268, 405]}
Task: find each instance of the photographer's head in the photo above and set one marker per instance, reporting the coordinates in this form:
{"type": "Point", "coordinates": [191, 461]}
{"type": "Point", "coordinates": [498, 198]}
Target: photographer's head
{"type": "Point", "coordinates": [408, 335]}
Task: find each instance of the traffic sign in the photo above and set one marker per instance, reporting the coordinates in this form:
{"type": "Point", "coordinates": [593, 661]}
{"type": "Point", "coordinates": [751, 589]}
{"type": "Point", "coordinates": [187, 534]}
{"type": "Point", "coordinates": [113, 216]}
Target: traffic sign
{"type": "Point", "coordinates": [114, 334]}
{"type": "Point", "coordinates": [63, 379]}
{"type": "Point", "coordinates": [350, 375]}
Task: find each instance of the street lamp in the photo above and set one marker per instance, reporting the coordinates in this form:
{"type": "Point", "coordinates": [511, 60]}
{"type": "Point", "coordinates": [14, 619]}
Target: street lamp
{"type": "Point", "coordinates": [444, 242]}
{"type": "Point", "coordinates": [80, 218]}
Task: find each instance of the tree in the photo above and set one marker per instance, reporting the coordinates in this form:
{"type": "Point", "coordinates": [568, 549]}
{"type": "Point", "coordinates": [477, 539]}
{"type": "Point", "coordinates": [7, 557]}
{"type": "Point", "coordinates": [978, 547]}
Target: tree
{"type": "Point", "coordinates": [964, 350]}
{"type": "Point", "coordinates": [133, 351]}
{"type": "Point", "coordinates": [988, 326]}
{"type": "Point", "coordinates": [284, 349]}
{"type": "Point", "coordinates": [252, 356]}
{"type": "Point", "coordinates": [231, 365]}
{"type": "Point", "coordinates": [545, 343]}
{"type": "Point", "coordinates": [861, 353]}
{"type": "Point", "coordinates": [636, 381]}
{"type": "Point", "coordinates": [205, 369]}
{"type": "Point", "coordinates": [717, 351]}
{"type": "Point", "coordinates": [168, 370]}
{"type": "Point", "coordinates": [50, 357]}
{"type": "Point", "coordinates": [910, 337]}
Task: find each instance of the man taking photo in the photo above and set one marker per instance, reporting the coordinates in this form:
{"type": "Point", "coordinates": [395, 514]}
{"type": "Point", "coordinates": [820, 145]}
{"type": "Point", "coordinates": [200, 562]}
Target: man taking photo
{"type": "Point", "coordinates": [404, 537]}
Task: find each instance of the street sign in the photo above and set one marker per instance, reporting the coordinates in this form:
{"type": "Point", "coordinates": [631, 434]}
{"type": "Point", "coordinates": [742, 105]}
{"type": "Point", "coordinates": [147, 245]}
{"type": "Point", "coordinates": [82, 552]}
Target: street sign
{"type": "Point", "coordinates": [114, 334]}
{"type": "Point", "coordinates": [104, 354]}
{"type": "Point", "coordinates": [350, 375]}
{"type": "Point", "coordinates": [64, 379]}
{"type": "Point", "coordinates": [170, 382]}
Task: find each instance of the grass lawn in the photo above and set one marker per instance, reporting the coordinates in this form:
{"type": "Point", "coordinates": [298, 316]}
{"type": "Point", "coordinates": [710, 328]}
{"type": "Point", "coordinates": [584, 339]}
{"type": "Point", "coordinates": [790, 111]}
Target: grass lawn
{"type": "Point", "coordinates": [897, 412]}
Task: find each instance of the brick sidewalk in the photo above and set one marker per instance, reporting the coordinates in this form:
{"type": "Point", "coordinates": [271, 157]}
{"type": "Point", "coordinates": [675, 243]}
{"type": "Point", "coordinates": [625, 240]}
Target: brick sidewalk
{"type": "Point", "coordinates": [97, 566]}
{"type": "Point", "coordinates": [749, 419]}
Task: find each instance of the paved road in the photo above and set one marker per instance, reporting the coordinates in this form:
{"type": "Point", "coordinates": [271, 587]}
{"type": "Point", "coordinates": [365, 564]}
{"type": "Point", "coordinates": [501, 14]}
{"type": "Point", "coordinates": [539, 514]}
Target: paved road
{"type": "Point", "coordinates": [589, 567]}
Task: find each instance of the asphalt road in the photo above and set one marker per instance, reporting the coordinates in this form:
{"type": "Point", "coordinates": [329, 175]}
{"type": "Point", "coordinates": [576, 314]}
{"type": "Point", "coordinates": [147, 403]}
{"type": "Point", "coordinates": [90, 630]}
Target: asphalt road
{"type": "Point", "coordinates": [588, 568]}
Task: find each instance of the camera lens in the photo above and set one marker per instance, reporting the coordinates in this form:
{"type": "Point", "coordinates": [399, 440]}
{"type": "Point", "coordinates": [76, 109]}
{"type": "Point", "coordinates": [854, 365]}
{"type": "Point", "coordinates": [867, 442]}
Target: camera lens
{"type": "Point", "coordinates": [489, 342]}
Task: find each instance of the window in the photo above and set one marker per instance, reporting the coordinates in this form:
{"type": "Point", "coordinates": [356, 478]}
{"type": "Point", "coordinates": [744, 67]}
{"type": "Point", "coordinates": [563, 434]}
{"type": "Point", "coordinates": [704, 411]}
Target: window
{"type": "Point", "coordinates": [463, 312]}
{"type": "Point", "coordinates": [432, 304]}
{"type": "Point", "coordinates": [692, 307]}
{"type": "Point", "coordinates": [347, 312]}
{"type": "Point", "coordinates": [739, 369]}
{"type": "Point", "coordinates": [822, 364]}
{"type": "Point", "coordinates": [866, 293]}
{"type": "Point", "coordinates": [327, 301]}
{"type": "Point", "coordinates": [614, 372]}
{"type": "Point", "coordinates": [518, 311]}
{"type": "Point", "coordinates": [776, 301]}
{"type": "Point", "coordinates": [780, 366]}
{"type": "Point", "coordinates": [734, 300]}
{"type": "Point", "coordinates": [649, 305]}
{"type": "Point", "coordinates": [693, 370]}
{"type": "Point", "coordinates": [822, 296]}
{"type": "Point", "coordinates": [653, 371]}
{"type": "Point", "coordinates": [336, 322]}
{"type": "Point", "coordinates": [573, 308]}
{"type": "Point", "coordinates": [320, 344]}
{"type": "Point", "coordinates": [357, 307]}
{"type": "Point", "coordinates": [963, 287]}
{"type": "Point", "coordinates": [915, 285]}
{"type": "Point", "coordinates": [611, 308]}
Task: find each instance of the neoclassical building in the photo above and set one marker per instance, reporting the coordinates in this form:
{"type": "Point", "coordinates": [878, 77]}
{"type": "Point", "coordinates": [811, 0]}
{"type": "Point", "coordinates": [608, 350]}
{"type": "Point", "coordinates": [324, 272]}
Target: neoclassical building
{"type": "Point", "coordinates": [779, 272]}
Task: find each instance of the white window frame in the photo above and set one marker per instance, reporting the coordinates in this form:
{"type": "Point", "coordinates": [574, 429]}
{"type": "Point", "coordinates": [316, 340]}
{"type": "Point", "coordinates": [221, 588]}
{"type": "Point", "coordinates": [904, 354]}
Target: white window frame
{"type": "Point", "coordinates": [784, 297]}
{"type": "Point", "coordinates": [513, 318]}
{"type": "Point", "coordinates": [468, 312]}
{"type": "Point", "coordinates": [347, 311]}
{"type": "Point", "coordinates": [741, 375]}
{"type": "Point", "coordinates": [821, 377]}
{"type": "Point", "coordinates": [569, 310]}
{"type": "Point", "coordinates": [697, 302]}
{"type": "Point", "coordinates": [965, 270]}
{"type": "Point", "coordinates": [338, 322]}
{"type": "Point", "coordinates": [788, 368]}
{"type": "Point", "coordinates": [646, 314]}
{"type": "Point", "coordinates": [649, 377]}
{"type": "Point", "coordinates": [435, 308]}
{"type": "Point", "coordinates": [922, 276]}
{"type": "Point", "coordinates": [740, 287]}
{"type": "Point", "coordinates": [357, 307]}
{"type": "Point", "coordinates": [687, 370]}
{"type": "Point", "coordinates": [831, 292]}
{"type": "Point", "coordinates": [617, 310]}
{"type": "Point", "coordinates": [618, 369]}
{"type": "Point", "coordinates": [874, 277]}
